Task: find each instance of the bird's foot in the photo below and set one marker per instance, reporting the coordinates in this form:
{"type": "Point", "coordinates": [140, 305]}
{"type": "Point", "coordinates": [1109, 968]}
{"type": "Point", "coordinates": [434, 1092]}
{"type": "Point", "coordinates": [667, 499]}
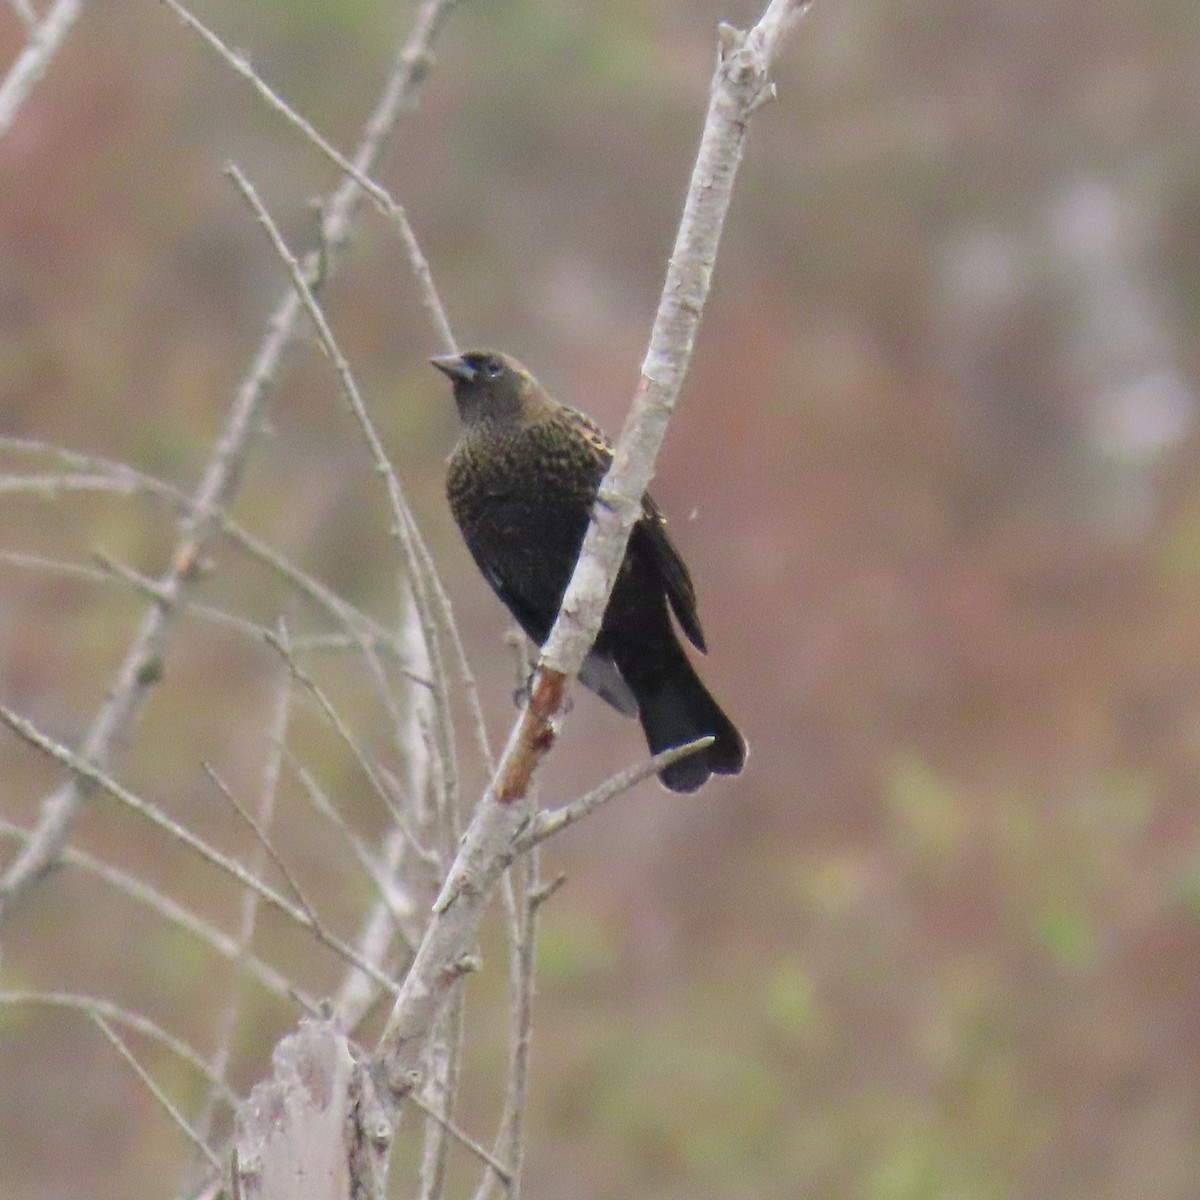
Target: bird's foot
{"type": "Point", "coordinates": [522, 695]}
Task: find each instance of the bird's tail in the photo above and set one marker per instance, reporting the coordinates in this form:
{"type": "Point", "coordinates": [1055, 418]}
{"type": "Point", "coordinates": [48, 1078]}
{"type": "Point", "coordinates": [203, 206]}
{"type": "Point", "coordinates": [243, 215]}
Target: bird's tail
{"type": "Point", "coordinates": [675, 708]}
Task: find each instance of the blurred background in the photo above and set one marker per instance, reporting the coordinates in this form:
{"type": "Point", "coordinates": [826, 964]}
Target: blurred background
{"type": "Point", "coordinates": [935, 472]}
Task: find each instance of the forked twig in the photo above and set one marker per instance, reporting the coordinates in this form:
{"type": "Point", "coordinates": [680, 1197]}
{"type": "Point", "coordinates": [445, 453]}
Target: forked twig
{"type": "Point", "coordinates": [378, 194]}
{"type": "Point", "coordinates": [739, 85]}
{"type": "Point", "coordinates": [143, 658]}
{"type": "Point", "coordinates": [96, 778]}
{"type": "Point", "coordinates": [404, 526]}
{"type": "Point", "coordinates": [551, 821]}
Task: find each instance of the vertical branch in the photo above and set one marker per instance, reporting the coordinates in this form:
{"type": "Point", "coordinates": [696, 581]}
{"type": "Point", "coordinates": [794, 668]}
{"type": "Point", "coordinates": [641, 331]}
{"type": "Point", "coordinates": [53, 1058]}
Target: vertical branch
{"type": "Point", "coordinates": [420, 265]}
{"type": "Point", "coordinates": [357, 992]}
{"type": "Point", "coordinates": [440, 1087]}
{"type": "Point", "coordinates": [510, 1140]}
{"type": "Point", "coordinates": [517, 889]}
{"type": "Point", "coordinates": [740, 85]}
{"type": "Point", "coordinates": [227, 1026]}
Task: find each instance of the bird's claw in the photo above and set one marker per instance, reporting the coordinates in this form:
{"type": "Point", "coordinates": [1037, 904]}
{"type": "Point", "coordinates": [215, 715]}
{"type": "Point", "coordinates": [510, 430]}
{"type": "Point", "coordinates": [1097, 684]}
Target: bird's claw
{"type": "Point", "coordinates": [521, 696]}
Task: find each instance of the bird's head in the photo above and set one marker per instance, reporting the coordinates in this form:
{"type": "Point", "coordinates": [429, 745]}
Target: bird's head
{"type": "Point", "coordinates": [490, 387]}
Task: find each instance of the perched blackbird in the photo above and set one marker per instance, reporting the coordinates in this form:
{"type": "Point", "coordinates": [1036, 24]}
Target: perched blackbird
{"type": "Point", "coordinates": [521, 484]}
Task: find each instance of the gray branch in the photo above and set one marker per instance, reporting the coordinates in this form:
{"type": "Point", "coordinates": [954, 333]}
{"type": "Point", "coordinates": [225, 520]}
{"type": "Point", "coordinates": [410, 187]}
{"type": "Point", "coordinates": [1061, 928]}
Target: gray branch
{"type": "Point", "coordinates": [46, 36]}
{"type": "Point", "coordinates": [740, 85]}
{"type": "Point", "coordinates": [143, 662]}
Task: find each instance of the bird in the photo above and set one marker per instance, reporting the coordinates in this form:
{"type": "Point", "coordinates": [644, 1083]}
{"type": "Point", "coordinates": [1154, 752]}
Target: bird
{"type": "Point", "coordinates": [521, 482]}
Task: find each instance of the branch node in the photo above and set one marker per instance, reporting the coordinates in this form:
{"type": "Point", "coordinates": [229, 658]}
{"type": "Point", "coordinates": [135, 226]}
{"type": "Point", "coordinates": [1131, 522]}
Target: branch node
{"type": "Point", "coordinates": [468, 964]}
{"type": "Point", "coordinates": [730, 39]}
{"type": "Point", "coordinates": [538, 896]}
{"type": "Point", "coordinates": [151, 671]}
{"type": "Point", "coordinates": [765, 95]}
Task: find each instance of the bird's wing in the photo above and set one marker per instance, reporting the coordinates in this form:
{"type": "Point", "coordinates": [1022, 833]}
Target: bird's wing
{"type": "Point", "coordinates": [651, 534]}
{"type": "Point", "coordinates": [526, 615]}
{"type": "Point", "coordinates": [651, 531]}
{"type": "Point", "coordinates": [594, 437]}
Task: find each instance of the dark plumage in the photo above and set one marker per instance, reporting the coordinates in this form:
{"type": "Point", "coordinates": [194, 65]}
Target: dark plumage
{"type": "Point", "coordinates": [521, 484]}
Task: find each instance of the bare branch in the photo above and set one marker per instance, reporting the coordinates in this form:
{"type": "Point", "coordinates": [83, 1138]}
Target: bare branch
{"type": "Point", "coordinates": [143, 659]}
{"type": "Point", "coordinates": [44, 41]}
{"type": "Point", "coordinates": [384, 202]}
{"type": "Point", "coordinates": [93, 1007]}
{"type": "Point", "coordinates": [176, 914]}
{"type": "Point", "coordinates": [147, 1080]}
{"type": "Point", "coordinates": [98, 779]}
{"type": "Point", "coordinates": [551, 821]}
{"type": "Point", "coordinates": [739, 84]}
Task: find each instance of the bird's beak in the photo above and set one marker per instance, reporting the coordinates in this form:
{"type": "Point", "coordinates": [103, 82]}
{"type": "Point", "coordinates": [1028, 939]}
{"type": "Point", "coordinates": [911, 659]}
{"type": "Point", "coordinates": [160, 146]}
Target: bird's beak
{"type": "Point", "coordinates": [455, 366]}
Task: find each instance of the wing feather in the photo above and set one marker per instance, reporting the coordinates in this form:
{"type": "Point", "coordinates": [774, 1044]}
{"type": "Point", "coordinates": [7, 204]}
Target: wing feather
{"type": "Point", "coordinates": [651, 534]}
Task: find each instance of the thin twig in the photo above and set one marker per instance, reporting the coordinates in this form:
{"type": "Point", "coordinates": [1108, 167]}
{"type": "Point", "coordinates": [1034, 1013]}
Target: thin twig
{"type": "Point", "coordinates": [53, 486]}
{"type": "Point", "coordinates": [149, 1083]}
{"type": "Point", "coordinates": [268, 794]}
{"type": "Point", "coordinates": [143, 658]}
{"type": "Point", "coordinates": [44, 41]}
{"type": "Point", "coordinates": [92, 1006]}
{"type": "Point", "coordinates": [363, 632]}
{"type": "Point", "coordinates": [110, 572]}
{"type": "Point", "coordinates": [440, 1085]}
{"type": "Point", "coordinates": [379, 195]}
{"type": "Point", "coordinates": [740, 82]}
{"type": "Point", "coordinates": [122, 573]}
{"type": "Point", "coordinates": [263, 838]}
{"type": "Point", "coordinates": [524, 877]}
{"type": "Point", "coordinates": [357, 995]}
{"type": "Point", "coordinates": [416, 879]}
{"type": "Point", "coordinates": [176, 914]}
{"type": "Point", "coordinates": [338, 724]}
{"type": "Point", "coordinates": [366, 633]}
{"type": "Point", "coordinates": [404, 526]}
{"type": "Point", "coordinates": [551, 821]}
{"type": "Point", "coordinates": [432, 302]}
{"type": "Point", "coordinates": [464, 1139]}
{"type": "Point", "coordinates": [394, 899]}
{"type": "Point", "coordinates": [98, 779]}
{"type": "Point", "coordinates": [510, 1141]}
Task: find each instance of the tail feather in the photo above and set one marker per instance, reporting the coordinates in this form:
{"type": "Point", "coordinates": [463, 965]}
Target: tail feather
{"type": "Point", "coordinates": [675, 708]}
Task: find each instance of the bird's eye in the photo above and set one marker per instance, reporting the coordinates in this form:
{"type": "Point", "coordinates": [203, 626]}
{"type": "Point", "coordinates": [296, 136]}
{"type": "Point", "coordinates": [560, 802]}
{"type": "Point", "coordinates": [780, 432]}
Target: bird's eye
{"type": "Point", "coordinates": [492, 367]}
